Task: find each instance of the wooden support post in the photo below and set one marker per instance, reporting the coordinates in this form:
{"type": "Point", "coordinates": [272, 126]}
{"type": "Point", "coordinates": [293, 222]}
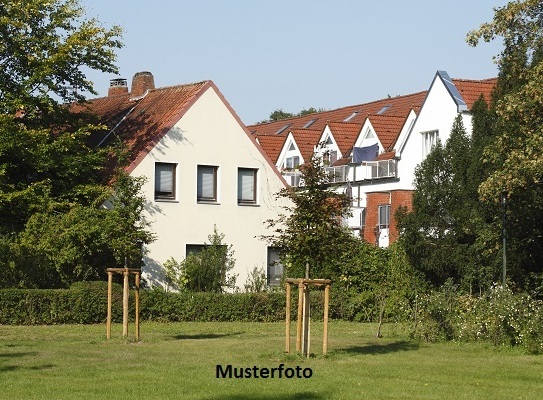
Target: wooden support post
{"type": "Point", "coordinates": [300, 316]}
{"type": "Point", "coordinates": [325, 322]}
{"type": "Point", "coordinates": [109, 301]}
{"type": "Point", "coordinates": [306, 321]}
{"type": "Point", "coordinates": [125, 303]}
{"type": "Point", "coordinates": [287, 322]}
{"type": "Point", "coordinates": [137, 318]}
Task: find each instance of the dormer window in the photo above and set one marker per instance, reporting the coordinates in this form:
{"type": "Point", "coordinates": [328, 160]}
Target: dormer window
{"type": "Point", "coordinates": [292, 162]}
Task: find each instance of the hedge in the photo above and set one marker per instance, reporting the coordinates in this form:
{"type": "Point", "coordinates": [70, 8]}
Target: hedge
{"type": "Point", "coordinates": [86, 303]}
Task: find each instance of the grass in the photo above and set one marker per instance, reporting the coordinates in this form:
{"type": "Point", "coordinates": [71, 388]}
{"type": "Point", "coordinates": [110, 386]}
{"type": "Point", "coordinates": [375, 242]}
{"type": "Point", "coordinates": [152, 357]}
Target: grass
{"type": "Point", "coordinates": [178, 361]}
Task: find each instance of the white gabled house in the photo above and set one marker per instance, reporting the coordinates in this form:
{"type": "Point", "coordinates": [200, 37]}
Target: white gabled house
{"type": "Point", "coordinates": [203, 168]}
{"type": "Point", "coordinates": [376, 166]}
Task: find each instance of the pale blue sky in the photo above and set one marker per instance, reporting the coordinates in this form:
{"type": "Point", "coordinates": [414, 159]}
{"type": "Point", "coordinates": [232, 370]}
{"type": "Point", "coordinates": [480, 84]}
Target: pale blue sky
{"type": "Point", "coordinates": [295, 54]}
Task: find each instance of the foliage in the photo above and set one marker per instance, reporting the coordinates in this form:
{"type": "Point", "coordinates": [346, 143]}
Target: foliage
{"type": "Point", "coordinates": [84, 303]}
{"type": "Point", "coordinates": [207, 270]}
{"type": "Point", "coordinates": [499, 317]}
{"type": "Point", "coordinates": [444, 234]}
{"type": "Point", "coordinates": [310, 234]}
{"type": "Point", "coordinates": [279, 114]}
{"type": "Point", "coordinates": [514, 157]}
{"type": "Point", "coordinates": [381, 283]}
{"type": "Point", "coordinates": [57, 249]}
{"type": "Point", "coordinates": [45, 46]}
{"type": "Point", "coordinates": [256, 281]}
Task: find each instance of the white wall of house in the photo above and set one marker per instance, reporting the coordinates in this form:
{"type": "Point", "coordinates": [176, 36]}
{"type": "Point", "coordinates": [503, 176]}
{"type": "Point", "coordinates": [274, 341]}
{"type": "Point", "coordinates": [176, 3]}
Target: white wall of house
{"type": "Point", "coordinates": [290, 150]}
{"type": "Point", "coordinates": [436, 115]}
{"type": "Point", "coordinates": [208, 134]}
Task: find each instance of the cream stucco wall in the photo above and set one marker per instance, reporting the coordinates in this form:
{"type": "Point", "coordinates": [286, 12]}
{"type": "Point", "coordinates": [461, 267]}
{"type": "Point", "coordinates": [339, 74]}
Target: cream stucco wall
{"type": "Point", "coordinates": [208, 134]}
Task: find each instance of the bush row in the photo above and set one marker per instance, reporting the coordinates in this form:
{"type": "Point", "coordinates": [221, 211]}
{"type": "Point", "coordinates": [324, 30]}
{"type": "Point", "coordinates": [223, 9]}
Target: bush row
{"type": "Point", "coordinates": [86, 303]}
{"type": "Point", "coordinates": [500, 317]}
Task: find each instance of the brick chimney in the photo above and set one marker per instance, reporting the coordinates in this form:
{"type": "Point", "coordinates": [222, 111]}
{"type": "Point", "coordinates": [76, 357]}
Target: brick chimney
{"type": "Point", "coordinates": [141, 82]}
{"type": "Point", "coordinates": [117, 87]}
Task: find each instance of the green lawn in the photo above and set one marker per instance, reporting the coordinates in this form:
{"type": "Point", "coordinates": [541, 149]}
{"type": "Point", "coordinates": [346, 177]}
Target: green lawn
{"type": "Point", "coordinates": [178, 361]}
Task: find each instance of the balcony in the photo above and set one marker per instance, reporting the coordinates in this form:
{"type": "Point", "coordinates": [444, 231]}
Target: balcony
{"type": "Point", "coordinates": [293, 178]}
{"type": "Point", "coordinates": [366, 171]}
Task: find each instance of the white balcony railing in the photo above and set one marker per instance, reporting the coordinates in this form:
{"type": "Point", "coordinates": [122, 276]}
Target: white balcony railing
{"type": "Point", "coordinates": [368, 170]}
{"type": "Point", "coordinates": [293, 178]}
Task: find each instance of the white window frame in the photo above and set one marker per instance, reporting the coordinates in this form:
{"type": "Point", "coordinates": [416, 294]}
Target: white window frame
{"type": "Point", "coordinates": [429, 140]}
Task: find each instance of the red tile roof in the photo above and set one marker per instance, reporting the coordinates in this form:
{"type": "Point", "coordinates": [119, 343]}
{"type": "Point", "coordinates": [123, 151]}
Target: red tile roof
{"type": "Point", "coordinates": [399, 106]}
{"type": "Point", "coordinates": [345, 134]}
{"type": "Point", "coordinates": [471, 90]}
{"type": "Point", "coordinates": [388, 128]}
{"type": "Point", "coordinates": [271, 144]}
{"type": "Point", "coordinates": [306, 140]}
{"type": "Point", "coordinates": [141, 123]}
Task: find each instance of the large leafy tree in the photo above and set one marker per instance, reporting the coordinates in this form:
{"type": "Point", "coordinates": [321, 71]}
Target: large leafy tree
{"type": "Point", "coordinates": [514, 157]}
{"type": "Point", "coordinates": [310, 234]}
{"type": "Point", "coordinates": [52, 183]}
{"type": "Point", "coordinates": [45, 47]}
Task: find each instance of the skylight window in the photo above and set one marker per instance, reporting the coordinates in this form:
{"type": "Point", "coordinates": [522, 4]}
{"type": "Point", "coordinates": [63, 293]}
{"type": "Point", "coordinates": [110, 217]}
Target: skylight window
{"type": "Point", "coordinates": [282, 129]}
{"type": "Point", "coordinates": [384, 109]}
{"type": "Point", "coordinates": [350, 117]}
{"type": "Point", "coordinates": [309, 123]}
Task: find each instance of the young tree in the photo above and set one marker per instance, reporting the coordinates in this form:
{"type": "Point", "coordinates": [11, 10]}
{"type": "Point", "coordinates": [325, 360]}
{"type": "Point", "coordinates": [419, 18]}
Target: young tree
{"type": "Point", "coordinates": [311, 236]}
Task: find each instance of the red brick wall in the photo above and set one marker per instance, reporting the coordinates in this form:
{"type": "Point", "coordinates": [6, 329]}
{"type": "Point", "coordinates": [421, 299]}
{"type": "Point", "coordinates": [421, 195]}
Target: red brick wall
{"type": "Point", "coordinates": [395, 198]}
{"type": "Point", "coordinates": [141, 82]}
{"type": "Point", "coordinates": [373, 201]}
{"type": "Point", "coordinates": [399, 198]}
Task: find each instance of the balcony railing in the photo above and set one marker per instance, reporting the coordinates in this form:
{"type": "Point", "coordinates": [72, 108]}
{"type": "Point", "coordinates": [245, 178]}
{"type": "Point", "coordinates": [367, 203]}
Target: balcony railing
{"type": "Point", "coordinates": [293, 178]}
{"type": "Point", "coordinates": [338, 174]}
{"type": "Point", "coordinates": [368, 170]}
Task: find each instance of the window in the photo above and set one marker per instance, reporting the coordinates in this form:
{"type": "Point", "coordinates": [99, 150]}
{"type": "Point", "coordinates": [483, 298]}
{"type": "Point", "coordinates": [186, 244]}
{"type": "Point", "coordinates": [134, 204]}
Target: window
{"type": "Point", "coordinates": [275, 268]}
{"type": "Point", "coordinates": [207, 183]}
{"type": "Point", "coordinates": [384, 216]}
{"type": "Point", "coordinates": [247, 185]}
{"type": "Point", "coordinates": [429, 140]}
{"type": "Point", "coordinates": [332, 157]}
{"type": "Point", "coordinates": [165, 180]}
{"type": "Point", "coordinates": [292, 162]}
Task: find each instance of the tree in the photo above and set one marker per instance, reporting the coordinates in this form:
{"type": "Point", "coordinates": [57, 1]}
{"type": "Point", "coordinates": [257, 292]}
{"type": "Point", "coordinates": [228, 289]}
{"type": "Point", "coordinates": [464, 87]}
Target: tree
{"type": "Point", "coordinates": [58, 249]}
{"type": "Point", "coordinates": [52, 182]}
{"type": "Point", "coordinates": [440, 234]}
{"type": "Point", "coordinates": [514, 158]}
{"type": "Point", "coordinates": [45, 160]}
{"type": "Point", "coordinates": [45, 45]}
{"type": "Point", "coordinates": [311, 234]}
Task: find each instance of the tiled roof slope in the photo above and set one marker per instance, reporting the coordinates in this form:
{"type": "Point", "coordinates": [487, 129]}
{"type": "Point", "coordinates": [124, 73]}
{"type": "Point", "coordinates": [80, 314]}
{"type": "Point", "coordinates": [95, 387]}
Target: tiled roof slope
{"type": "Point", "coordinates": [399, 106]}
{"type": "Point", "coordinates": [271, 144]}
{"type": "Point", "coordinates": [345, 134]}
{"type": "Point", "coordinates": [141, 123]}
{"type": "Point", "coordinates": [306, 140]}
{"type": "Point", "coordinates": [471, 90]}
{"type": "Point", "coordinates": [388, 128]}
